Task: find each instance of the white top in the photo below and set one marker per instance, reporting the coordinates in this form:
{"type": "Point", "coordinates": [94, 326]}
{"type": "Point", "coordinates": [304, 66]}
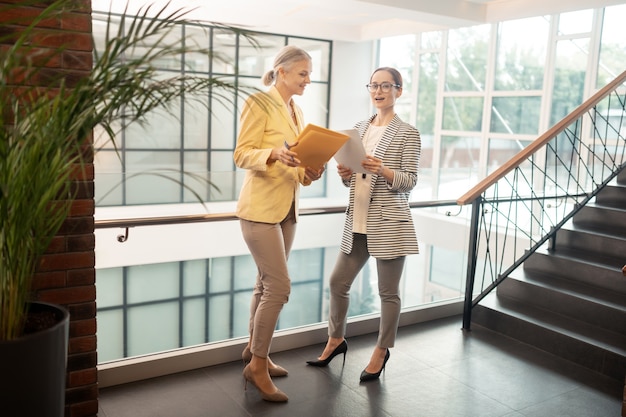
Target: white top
{"type": "Point", "coordinates": [363, 182]}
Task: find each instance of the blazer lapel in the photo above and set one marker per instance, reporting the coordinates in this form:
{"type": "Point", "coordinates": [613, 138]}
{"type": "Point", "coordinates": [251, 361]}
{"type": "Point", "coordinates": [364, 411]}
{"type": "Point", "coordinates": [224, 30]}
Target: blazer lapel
{"type": "Point", "coordinates": [284, 111]}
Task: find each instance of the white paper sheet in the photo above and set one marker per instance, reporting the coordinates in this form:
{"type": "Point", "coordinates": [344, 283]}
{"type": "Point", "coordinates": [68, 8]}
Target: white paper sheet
{"type": "Point", "coordinates": [352, 153]}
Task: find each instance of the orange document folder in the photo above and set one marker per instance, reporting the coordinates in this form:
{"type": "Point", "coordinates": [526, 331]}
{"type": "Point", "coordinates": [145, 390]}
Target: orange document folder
{"type": "Point", "coordinates": [316, 145]}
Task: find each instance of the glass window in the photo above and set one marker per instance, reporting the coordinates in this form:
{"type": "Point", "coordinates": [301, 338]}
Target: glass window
{"type": "Point", "coordinates": [521, 54]}
{"type": "Point", "coordinates": [466, 68]}
{"type": "Point", "coordinates": [569, 77]}
{"type": "Point", "coordinates": [194, 322]}
{"type": "Point", "coordinates": [430, 40]}
{"type": "Point", "coordinates": [102, 140]}
{"type": "Point", "coordinates": [110, 287]}
{"type": "Point", "coordinates": [314, 104]}
{"type": "Point", "coordinates": [221, 176]}
{"type": "Point", "coordinates": [399, 52]}
{"type": "Point", "coordinates": [427, 92]}
{"type": "Point", "coordinates": [459, 165]}
{"type": "Point", "coordinates": [195, 177]}
{"type": "Point", "coordinates": [110, 334]}
{"type": "Point", "coordinates": [257, 53]}
{"type": "Point", "coordinates": [245, 272]}
{"type": "Point", "coordinates": [203, 126]}
{"type": "Point", "coordinates": [99, 29]}
{"type": "Point", "coordinates": [609, 119]}
{"type": "Point", "coordinates": [613, 46]}
{"type": "Point", "coordinates": [320, 57]}
{"type": "Point", "coordinates": [223, 51]}
{"type": "Point", "coordinates": [424, 188]}
{"type": "Point", "coordinates": [198, 38]}
{"type": "Point", "coordinates": [447, 272]}
{"type": "Point", "coordinates": [169, 305]}
{"type": "Point", "coordinates": [221, 271]}
{"type": "Point", "coordinates": [501, 150]}
{"type": "Point", "coordinates": [575, 22]}
{"type": "Point", "coordinates": [153, 282]}
{"type": "Point", "coordinates": [240, 312]}
{"type": "Point", "coordinates": [108, 170]}
{"type": "Point", "coordinates": [156, 179]}
{"type": "Point", "coordinates": [195, 277]}
{"type": "Point", "coordinates": [153, 328]}
{"type": "Point", "coordinates": [220, 325]}
{"type": "Point", "coordinates": [463, 113]}
{"type": "Point", "coordinates": [195, 124]}
{"type": "Point", "coordinates": [515, 115]}
{"type": "Point", "coordinates": [172, 39]}
{"type": "Point", "coordinates": [160, 131]}
{"type": "Point", "coordinates": [302, 307]}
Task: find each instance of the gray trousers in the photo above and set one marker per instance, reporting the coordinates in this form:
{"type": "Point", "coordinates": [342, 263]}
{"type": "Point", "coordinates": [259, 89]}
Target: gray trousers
{"type": "Point", "coordinates": [269, 245]}
{"type": "Point", "coordinates": [346, 269]}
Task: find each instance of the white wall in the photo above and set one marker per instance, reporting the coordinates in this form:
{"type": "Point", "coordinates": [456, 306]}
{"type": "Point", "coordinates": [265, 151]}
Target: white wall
{"type": "Point", "coordinates": [352, 65]}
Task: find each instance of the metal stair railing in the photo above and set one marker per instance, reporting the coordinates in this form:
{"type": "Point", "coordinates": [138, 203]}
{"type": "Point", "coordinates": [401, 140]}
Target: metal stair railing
{"type": "Point", "coordinates": [521, 205]}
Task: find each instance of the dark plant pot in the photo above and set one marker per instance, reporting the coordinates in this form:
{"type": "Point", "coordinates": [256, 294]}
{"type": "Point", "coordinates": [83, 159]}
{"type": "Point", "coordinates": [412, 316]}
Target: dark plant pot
{"type": "Point", "coordinates": [33, 367]}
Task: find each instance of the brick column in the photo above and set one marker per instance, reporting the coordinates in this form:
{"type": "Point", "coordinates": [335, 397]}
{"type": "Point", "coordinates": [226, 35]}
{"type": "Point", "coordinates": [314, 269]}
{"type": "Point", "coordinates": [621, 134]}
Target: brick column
{"type": "Point", "coordinates": [66, 274]}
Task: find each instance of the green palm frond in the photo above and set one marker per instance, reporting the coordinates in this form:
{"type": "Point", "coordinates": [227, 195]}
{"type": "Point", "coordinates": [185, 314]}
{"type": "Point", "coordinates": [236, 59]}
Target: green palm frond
{"type": "Point", "coordinates": [44, 130]}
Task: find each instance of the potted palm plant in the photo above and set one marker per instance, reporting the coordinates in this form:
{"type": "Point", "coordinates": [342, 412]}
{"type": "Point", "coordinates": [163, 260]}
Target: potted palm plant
{"type": "Point", "coordinates": [45, 138]}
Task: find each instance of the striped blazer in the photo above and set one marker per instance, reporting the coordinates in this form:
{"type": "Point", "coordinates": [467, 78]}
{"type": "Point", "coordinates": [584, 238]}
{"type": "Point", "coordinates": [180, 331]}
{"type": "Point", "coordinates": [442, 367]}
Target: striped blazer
{"type": "Point", "coordinates": [390, 229]}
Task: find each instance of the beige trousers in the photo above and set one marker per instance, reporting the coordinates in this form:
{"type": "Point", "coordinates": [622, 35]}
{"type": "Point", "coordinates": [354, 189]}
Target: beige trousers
{"type": "Point", "coordinates": [346, 269]}
{"type": "Point", "coordinates": [269, 245]}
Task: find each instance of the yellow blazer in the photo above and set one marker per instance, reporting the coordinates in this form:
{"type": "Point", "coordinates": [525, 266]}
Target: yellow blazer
{"type": "Point", "coordinates": [269, 189]}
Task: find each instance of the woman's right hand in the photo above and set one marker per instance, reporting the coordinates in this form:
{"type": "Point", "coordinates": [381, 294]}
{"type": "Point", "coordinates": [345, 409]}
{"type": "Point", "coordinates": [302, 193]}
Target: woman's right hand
{"type": "Point", "coordinates": [344, 172]}
{"type": "Point", "coordinates": [284, 155]}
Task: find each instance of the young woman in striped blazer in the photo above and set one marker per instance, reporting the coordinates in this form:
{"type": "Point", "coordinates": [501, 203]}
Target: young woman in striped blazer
{"type": "Point", "coordinates": [378, 220]}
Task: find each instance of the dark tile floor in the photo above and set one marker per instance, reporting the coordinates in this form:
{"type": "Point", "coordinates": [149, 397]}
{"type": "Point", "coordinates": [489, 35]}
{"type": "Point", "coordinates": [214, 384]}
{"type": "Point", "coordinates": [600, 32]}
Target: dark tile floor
{"type": "Point", "coordinates": [435, 369]}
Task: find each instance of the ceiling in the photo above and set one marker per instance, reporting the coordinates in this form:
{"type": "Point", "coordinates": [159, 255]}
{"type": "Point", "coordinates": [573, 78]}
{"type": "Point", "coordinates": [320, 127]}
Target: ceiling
{"type": "Point", "coordinates": [359, 20]}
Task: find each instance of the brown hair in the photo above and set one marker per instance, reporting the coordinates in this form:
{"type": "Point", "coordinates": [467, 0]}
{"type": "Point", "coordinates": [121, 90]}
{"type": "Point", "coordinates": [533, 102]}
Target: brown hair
{"type": "Point", "coordinates": [395, 74]}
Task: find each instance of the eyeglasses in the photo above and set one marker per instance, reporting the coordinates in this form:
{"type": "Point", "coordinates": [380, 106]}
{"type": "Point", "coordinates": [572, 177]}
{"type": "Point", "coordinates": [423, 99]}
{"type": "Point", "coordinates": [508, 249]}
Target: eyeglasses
{"type": "Point", "coordinates": [385, 87]}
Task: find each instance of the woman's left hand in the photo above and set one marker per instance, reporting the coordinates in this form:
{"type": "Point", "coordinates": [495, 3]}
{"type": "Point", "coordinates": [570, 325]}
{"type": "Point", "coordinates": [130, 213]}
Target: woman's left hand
{"type": "Point", "coordinates": [373, 165]}
{"type": "Point", "coordinates": [313, 174]}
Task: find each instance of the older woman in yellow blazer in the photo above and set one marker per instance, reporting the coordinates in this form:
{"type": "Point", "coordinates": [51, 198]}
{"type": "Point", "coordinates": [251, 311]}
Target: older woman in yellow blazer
{"type": "Point", "coordinates": [268, 204]}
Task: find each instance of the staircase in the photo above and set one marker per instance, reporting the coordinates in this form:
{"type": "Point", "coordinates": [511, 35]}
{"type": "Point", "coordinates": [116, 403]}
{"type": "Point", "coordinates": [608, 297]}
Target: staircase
{"type": "Point", "coordinates": [571, 301]}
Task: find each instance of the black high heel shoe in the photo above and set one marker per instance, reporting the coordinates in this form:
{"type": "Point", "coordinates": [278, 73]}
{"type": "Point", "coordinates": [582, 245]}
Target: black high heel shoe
{"type": "Point", "coordinates": [366, 376]}
{"type": "Point", "coordinates": [341, 348]}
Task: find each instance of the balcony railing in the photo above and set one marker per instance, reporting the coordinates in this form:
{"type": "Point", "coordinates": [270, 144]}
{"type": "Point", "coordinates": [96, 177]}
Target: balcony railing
{"type": "Point", "coordinates": [166, 283]}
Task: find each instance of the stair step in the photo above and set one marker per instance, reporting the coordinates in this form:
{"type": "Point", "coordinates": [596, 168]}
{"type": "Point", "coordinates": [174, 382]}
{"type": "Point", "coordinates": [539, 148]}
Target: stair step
{"type": "Point", "coordinates": [583, 302]}
{"type": "Point", "coordinates": [570, 299]}
{"type": "Point", "coordinates": [613, 195]}
{"type": "Point", "coordinates": [579, 342]}
{"type": "Point", "coordinates": [600, 217]}
{"type": "Point", "coordinates": [604, 243]}
{"type": "Point", "coordinates": [579, 266]}
{"type": "Point", "coordinates": [574, 328]}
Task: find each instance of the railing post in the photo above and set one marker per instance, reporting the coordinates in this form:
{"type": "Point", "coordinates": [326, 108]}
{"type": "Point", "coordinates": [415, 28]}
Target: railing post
{"type": "Point", "coordinates": [472, 256]}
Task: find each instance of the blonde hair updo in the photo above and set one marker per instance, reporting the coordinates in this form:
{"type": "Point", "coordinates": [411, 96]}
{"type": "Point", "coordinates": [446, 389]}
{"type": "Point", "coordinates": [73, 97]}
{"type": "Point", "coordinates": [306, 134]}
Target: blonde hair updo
{"type": "Point", "coordinates": [286, 57]}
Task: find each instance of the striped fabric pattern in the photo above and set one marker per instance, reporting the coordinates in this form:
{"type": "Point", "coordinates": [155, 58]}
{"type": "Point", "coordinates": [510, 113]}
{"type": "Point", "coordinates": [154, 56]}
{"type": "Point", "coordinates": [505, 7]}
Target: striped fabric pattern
{"type": "Point", "coordinates": [390, 228]}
